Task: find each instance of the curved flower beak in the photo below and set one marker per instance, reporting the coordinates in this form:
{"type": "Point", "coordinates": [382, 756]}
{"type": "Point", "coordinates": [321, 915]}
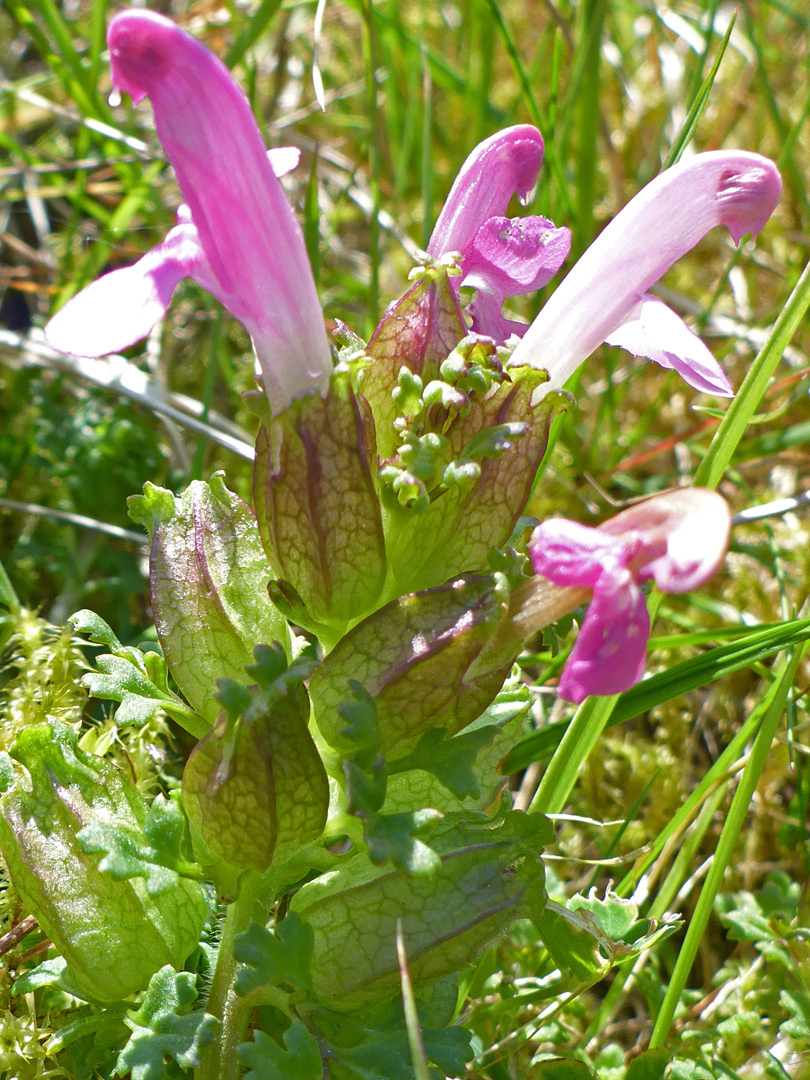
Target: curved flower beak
{"type": "Point", "coordinates": [500, 257]}
{"type": "Point", "coordinates": [604, 297]}
{"type": "Point", "coordinates": [238, 236]}
{"type": "Point", "coordinates": [678, 540]}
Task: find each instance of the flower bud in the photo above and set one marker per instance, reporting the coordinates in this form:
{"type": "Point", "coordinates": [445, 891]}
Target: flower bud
{"type": "Point", "coordinates": [428, 660]}
{"type": "Point", "coordinates": [459, 438]}
{"type": "Point", "coordinates": [447, 918]}
{"type": "Point", "coordinates": [317, 506]}
{"type": "Point", "coordinates": [254, 787]}
{"type": "Point", "coordinates": [113, 934]}
{"type": "Point", "coordinates": [417, 331]}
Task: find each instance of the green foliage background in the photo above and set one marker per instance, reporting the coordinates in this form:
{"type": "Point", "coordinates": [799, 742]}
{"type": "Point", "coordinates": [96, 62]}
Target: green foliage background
{"type": "Point", "coordinates": [618, 89]}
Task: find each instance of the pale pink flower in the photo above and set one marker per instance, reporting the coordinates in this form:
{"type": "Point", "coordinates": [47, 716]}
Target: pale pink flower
{"type": "Point", "coordinates": [604, 297]}
{"type": "Point", "coordinates": [500, 256]}
{"type": "Point", "coordinates": [677, 539]}
{"type": "Point", "coordinates": [237, 235]}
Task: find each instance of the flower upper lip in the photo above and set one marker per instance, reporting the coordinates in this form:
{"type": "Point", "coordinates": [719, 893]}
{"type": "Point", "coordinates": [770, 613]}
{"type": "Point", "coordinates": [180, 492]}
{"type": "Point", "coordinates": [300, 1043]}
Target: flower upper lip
{"type": "Point", "coordinates": [499, 257]}
{"type": "Point", "coordinates": [604, 296]}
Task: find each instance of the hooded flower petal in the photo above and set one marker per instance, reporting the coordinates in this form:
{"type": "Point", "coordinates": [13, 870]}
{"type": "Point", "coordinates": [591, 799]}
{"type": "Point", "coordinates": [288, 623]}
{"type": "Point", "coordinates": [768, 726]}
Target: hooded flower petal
{"type": "Point", "coordinates": [664, 221]}
{"type": "Point", "coordinates": [689, 527]}
{"type": "Point", "coordinates": [254, 260]}
{"type": "Point", "coordinates": [678, 539]}
{"type": "Point", "coordinates": [505, 164]}
{"type": "Point", "coordinates": [654, 331]}
{"type": "Point", "coordinates": [500, 256]}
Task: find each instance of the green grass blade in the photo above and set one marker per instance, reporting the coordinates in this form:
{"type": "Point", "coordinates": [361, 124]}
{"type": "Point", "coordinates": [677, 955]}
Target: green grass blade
{"type": "Point", "coordinates": [97, 40]}
{"type": "Point", "coordinates": [312, 230]}
{"type": "Point", "coordinates": [83, 82]}
{"type": "Point", "coordinates": [587, 99]}
{"type": "Point", "coordinates": [250, 34]}
{"type": "Point", "coordinates": [374, 163]}
{"type": "Point", "coordinates": [581, 735]}
{"type": "Point", "coordinates": [679, 679]}
{"type": "Point", "coordinates": [771, 710]}
{"type": "Point", "coordinates": [700, 101]}
{"type": "Point", "coordinates": [733, 425]}
{"type": "Point", "coordinates": [8, 597]}
{"type": "Point", "coordinates": [682, 866]}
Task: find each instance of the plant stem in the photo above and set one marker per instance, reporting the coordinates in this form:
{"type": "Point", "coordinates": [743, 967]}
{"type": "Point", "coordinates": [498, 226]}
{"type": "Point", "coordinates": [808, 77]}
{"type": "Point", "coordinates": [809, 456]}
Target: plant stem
{"type": "Point", "coordinates": [581, 735]}
{"type": "Point", "coordinates": [220, 1060]}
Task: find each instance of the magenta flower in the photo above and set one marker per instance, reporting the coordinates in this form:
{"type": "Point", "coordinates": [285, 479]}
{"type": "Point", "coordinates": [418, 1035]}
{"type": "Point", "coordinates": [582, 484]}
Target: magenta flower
{"type": "Point", "coordinates": [604, 297]}
{"type": "Point", "coordinates": [677, 539]}
{"type": "Point", "coordinates": [237, 235]}
{"type": "Point", "coordinates": [500, 256]}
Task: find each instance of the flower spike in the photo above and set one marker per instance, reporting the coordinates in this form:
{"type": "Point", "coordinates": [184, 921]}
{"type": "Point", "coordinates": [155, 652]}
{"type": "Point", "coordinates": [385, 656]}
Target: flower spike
{"type": "Point", "coordinates": [677, 539]}
{"type": "Point", "coordinates": [500, 257]}
{"type": "Point", "coordinates": [604, 297]}
{"type": "Point", "coordinates": [237, 236]}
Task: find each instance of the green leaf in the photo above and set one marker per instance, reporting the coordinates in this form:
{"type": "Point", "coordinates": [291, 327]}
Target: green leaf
{"type": "Point", "coordinates": [362, 730]}
{"type": "Point", "coordinates": [365, 788]}
{"type": "Point", "coordinates": [155, 855]}
{"type": "Point", "coordinates": [280, 957]}
{"type": "Point", "coordinates": [298, 1059]}
{"type": "Point", "coordinates": [764, 916]}
{"type": "Point", "coordinates": [450, 760]}
{"type": "Point", "coordinates": [504, 720]}
{"type": "Point", "coordinates": [797, 1003]}
{"type": "Point", "coordinates": [107, 1025]}
{"type": "Point", "coordinates": [164, 1025]}
{"type": "Point", "coordinates": [590, 935]}
{"type": "Point", "coordinates": [53, 972]}
{"type": "Point", "coordinates": [651, 1065]}
{"type": "Point", "coordinates": [562, 1069]}
{"type": "Point", "coordinates": [396, 838]}
{"type": "Point", "coordinates": [136, 679]}
{"type": "Point", "coordinates": [448, 1048]}
{"type": "Point", "coordinates": [384, 1055]}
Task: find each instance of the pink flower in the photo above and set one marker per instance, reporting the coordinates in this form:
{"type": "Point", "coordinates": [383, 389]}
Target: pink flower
{"type": "Point", "coordinates": [500, 256]}
{"type": "Point", "coordinates": [678, 540]}
{"type": "Point", "coordinates": [604, 298]}
{"type": "Point", "coordinates": [237, 235]}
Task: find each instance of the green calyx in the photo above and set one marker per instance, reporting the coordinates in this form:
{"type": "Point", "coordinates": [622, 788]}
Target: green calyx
{"type": "Point", "coordinates": [315, 493]}
{"type": "Point", "coordinates": [209, 578]}
{"type": "Point", "coordinates": [427, 660]}
{"type": "Point", "coordinates": [489, 875]}
{"type": "Point", "coordinates": [114, 934]}
{"type": "Point", "coordinates": [254, 788]}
